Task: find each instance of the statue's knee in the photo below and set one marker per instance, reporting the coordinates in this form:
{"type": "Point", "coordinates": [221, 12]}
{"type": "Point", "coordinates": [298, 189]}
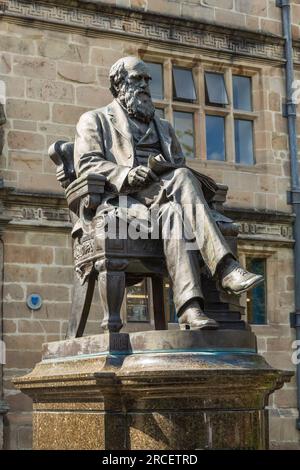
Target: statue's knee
{"type": "Point", "coordinates": [183, 173]}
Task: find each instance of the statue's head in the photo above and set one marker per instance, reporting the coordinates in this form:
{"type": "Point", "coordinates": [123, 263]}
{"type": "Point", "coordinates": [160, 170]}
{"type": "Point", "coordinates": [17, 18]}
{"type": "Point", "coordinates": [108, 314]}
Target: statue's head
{"type": "Point", "coordinates": [129, 79]}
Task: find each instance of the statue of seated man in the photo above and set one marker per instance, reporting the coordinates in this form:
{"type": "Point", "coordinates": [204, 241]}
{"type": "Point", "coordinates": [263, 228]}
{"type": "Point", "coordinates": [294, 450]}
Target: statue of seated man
{"type": "Point", "coordinates": [117, 142]}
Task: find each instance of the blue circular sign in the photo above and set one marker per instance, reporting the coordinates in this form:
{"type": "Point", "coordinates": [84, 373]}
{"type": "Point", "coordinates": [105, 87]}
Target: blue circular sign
{"type": "Point", "coordinates": [34, 301]}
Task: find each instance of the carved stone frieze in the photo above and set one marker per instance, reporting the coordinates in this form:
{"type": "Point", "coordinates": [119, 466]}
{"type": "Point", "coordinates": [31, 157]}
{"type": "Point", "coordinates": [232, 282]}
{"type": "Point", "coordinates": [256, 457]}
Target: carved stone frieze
{"type": "Point", "coordinates": [145, 26]}
{"type": "Point", "coordinates": [275, 232]}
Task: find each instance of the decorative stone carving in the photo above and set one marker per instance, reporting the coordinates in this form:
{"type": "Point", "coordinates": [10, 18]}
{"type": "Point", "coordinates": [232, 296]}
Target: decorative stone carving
{"type": "Point", "coordinates": [147, 26]}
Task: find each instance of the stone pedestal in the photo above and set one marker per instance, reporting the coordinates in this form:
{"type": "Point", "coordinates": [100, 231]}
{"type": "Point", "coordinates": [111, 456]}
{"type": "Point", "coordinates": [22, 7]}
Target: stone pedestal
{"type": "Point", "coordinates": [182, 390]}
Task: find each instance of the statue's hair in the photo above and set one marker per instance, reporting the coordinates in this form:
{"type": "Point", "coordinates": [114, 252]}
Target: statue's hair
{"type": "Point", "coordinates": [118, 73]}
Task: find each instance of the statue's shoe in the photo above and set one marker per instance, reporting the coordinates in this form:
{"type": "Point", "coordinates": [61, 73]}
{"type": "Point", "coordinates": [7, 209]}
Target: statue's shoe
{"type": "Point", "coordinates": [238, 281]}
{"type": "Point", "coordinates": [195, 319]}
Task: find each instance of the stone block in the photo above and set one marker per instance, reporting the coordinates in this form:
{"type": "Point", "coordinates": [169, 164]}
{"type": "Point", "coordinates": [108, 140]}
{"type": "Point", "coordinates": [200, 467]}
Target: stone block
{"type": "Point", "coordinates": [266, 183]}
{"type": "Point", "coordinates": [101, 57]}
{"type": "Point", "coordinates": [18, 237]}
{"type": "Point", "coordinates": [274, 101]}
{"type": "Point", "coordinates": [63, 257]}
{"type": "Point", "coordinates": [18, 403]}
{"type": "Point", "coordinates": [274, 12]}
{"type": "Point", "coordinates": [229, 18]}
{"type": "Point", "coordinates": [47, 239]}
{"type": "Point", "coordinates": [28, 342]}
{"type": "Point", "coordinates": [282, 360]}
{"type": "Point", "coordinates": [255, 7]}
{"type": "Point", "coordinates": [26, 161]}
{"type": "Point", "coordinates": [24, 438]}
{"type": "Point", "coordinates": [252, 22]}
{"type": "Point", "coordinates": [225, 4]}
{"type": "Point", "coordinates": [60, 49]}
{"type": "Point", "coordinates": [290, 283]}
{"type": "Point", "coordinates": [57, 129]}
{"type": "Point", "coordinates": [279, 344]}
{"type": "Point", "coordinates": [51, 292]}
{"type": "Point", "coordinates": [165, 7]}
{"type": "Point", "coordinates": [288, 431]}
{"type": "Point", "coordinates": [14, 86]}
{"type": "Point", "coordinates": [20, 125]}
{"type": "Point", "coordinates": [197, 12]}
{"type": "Point", "coordinates": [24, 109]}
{"type": "Point", "coordinates": [20, 273]}
{"type": "Point", "coordinates": [39, 326]}
{"type": "Point", "coordinates": [28, 254]}
{"type": "Point", "coordinates": [92, 96]}
{"type": "Point", "coordinates": [9, 326]}
{"type": "Point", "coordinates": [5, 64]}
{"type": "Point", "coordinates": [25, 141]}
{"type": "Point", "coordinates": [40, 182]}
{"type": "Point", "coordinates": [271, 26]}
{"type": "Point", "coordinates": [67, 114]}
{"type": "Point", "coordinates": [15, 310]}
{"type": "Point", "coordinates": [76, 72]}
{"type": "Point", "coordinates": [13, 291]}
{"type": "Point", "coordinates": [123, 3]}
{"type": "Point", "coordinates": [49, 90]}
{"type": "Point", "coordinates": [54, 310]}
{"type": "Point", "coordinates": [17, 45]}
{"type": "Point", "coordinates": [285, 398]}
{"type": "Point", "coordinates": [279, 142]}
{"type": "Point", "coordinates": [139, 4]}
{"type": "Point", "coordinates": [34, 67]}
{"type": "Point", "coordinates": [57, 275]}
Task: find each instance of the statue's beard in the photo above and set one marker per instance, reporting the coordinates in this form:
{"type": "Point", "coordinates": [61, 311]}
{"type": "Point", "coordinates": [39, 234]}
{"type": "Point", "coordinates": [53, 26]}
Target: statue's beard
{"type": "Point", "coordinates": [138, 104]}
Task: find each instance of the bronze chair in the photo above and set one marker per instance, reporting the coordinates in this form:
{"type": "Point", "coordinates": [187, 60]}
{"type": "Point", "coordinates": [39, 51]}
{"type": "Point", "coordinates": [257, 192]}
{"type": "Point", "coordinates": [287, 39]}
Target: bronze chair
{"type": "Point", "coordinates": [118, 263]}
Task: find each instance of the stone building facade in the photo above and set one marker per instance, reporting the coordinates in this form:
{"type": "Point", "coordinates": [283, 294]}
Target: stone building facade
{"type": "Point", "coordinates": [54, 63]}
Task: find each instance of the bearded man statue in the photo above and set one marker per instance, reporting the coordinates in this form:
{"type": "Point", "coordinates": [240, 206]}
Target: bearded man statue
{"type": "Point", "coordinates": [118, 141]}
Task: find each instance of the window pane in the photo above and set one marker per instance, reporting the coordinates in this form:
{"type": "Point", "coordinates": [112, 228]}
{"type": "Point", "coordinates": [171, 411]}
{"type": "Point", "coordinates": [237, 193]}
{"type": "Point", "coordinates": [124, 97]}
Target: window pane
{"type": "Point", "coordinates": [183, 84]}
{"type": "Point", "coordinates": [215, 90]}
{"type": "Point", "coordinates": [244, 142]}
{"type": "Point", "coordinates": [215, 138]}
{"type": "Point", "coordinates": [256, 298]}
{"type": "Point", "coordinates": [137, 303]}
{"type": "Point", "coordinates": [156, 84]}
{"type": "Point", "coordinates": [242, 93]}
{"type": "Point", "coordinates": [184, 128]}
{"type": "Point", "coordinates": [160, 113]}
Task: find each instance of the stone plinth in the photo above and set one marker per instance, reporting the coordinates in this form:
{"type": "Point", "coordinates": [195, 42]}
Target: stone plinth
{"type": "Point", "coordinates": [152, 390]}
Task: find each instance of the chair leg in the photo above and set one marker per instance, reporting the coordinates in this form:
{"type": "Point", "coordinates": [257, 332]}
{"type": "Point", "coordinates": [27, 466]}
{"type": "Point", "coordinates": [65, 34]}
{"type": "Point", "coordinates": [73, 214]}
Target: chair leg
{"type": "Point", "coordinates": [160, 322]}
{"type": "Point", "coordinates": [81, 303]}
{"type": "Point", "coordinates": [111, 286]}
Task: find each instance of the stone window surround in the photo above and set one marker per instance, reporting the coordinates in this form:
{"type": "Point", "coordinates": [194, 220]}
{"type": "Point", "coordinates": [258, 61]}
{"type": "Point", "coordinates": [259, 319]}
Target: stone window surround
{"type": "Point", "coordinates": [200, 109]}
{"type": "Point", "coordinates": [270, 255]}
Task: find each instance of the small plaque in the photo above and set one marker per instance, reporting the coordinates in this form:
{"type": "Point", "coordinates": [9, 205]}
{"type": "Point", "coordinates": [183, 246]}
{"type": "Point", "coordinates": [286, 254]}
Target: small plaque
{"type": "Point", "coordinates": [34, 301]}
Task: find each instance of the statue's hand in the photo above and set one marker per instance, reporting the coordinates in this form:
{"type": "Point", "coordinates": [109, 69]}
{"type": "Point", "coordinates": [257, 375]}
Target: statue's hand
{"type": "Point", "coordinates": [141, 176]}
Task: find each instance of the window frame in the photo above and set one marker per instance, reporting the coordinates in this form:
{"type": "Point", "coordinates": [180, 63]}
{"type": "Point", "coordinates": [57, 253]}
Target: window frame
{"type": "Point", "coordinates": [265, 261]}
{"type": "Point", "coordinates": [199, 108]}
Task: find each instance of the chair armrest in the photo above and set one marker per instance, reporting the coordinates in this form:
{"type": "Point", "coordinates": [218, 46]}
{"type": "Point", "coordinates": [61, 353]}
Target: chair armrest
{"type": "Point", "coordinates": [62, 155]}
{"type": "Point", "coordinates": [219, 198]}
{"type": "Point", "coordinates": [87, 190]}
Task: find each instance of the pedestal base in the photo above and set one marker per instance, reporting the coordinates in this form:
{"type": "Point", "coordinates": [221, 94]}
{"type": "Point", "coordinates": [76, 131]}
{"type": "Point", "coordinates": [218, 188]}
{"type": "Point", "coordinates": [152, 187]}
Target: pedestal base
{"type": "Point", "coordinates": [153, 390]}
